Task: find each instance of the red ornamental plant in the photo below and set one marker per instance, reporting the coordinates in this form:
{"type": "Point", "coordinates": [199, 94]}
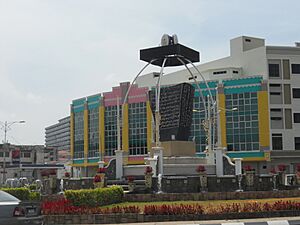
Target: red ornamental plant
{"type": "Point", "coordinates": [67, 174]}
{"type": "Point", "coordinates": [298, 167]}
{"type": "Point", "coordinates": [52, 172]}
{"type": "Point", "coordinates": [273, 171]}
{"type": "Point", "coordinates": [101, 170]}
{"type": "Point", "coordinates": [97, 179]}
{"type": "Point", "coordinates": [200, 169]}
{"type": "Point", "coordinates": [281, 167]}
{"type": "Point", "coordinates": [44, 173]}
{"type": "Point", "coordinates": [148, 169]}
{"type": "Point", "coordinates": [248, 168]}
{"type": "Point", "coordinates": [130, 178]}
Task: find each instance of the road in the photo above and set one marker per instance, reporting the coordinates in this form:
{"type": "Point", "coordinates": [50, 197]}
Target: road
{"type": "Point", "coordinates": [260, 221]}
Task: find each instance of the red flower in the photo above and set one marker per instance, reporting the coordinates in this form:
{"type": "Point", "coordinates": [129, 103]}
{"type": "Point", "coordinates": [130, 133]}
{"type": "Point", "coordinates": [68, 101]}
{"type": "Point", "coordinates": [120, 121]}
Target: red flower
{"type": "Point", "coordinates": [200, 168]}
{"type": "Point", "coordinates": [130, 178]}
{"type": "Point", "coordinates": [248, 168]}
{"type": "Point", "coordinates": [67, 174]}
{"type": "Point", "coordinates": [273, 171]}
{"type": "Point", "coordinates": [148, 169]}
{"type": "Point", "coordinates": [281, 167]}
{"type": "Point", "coordinates": [44, 173]}
{"type": "Point", "coordinates": [298, 167]}
{"type": "Point", "coordinates": [97, 179]}
{"type": "Point", "coordinates": [52, 172]}
{"type": "Point", "coordinates": [101, 170]}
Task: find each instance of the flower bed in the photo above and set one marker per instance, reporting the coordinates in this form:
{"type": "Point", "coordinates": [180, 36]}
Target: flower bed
{"type": "Point", "coordinates": [66, 213]}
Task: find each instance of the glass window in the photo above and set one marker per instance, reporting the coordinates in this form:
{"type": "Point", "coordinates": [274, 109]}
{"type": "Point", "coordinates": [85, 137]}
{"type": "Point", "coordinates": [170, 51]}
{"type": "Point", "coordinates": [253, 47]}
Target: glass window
{"type": "Point", "coordinates": [296, 68]}
{"type": "Point", "coordinates": [274, 70]}
{"type": "Point", "coordinates": [277, 141]}
{"type": "Point", "coordinates": [296, 92]}
{"type": "Point", "coordinates": [297, 143]}
{"type": "Point", "coordinates": [296, 117]}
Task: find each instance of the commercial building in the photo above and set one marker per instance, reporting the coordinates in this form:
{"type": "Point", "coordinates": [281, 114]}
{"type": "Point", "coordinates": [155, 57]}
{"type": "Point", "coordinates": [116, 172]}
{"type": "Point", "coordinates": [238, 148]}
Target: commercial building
{"type": "Point", "coordinates": [25, 160]}
{"type": "Point", "coordinates": [57, 136]}
{"type": "Point", "coordinates": [260, 82]}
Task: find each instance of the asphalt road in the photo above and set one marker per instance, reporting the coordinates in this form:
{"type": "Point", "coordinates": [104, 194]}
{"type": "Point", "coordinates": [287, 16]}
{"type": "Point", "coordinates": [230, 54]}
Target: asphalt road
{"type": "Point", "coordinates": [260, 221]}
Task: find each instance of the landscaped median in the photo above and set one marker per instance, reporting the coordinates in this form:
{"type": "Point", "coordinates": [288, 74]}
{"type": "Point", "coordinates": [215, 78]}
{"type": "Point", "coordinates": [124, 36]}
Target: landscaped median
{"type": "Point", "coordinates": [94, 206]}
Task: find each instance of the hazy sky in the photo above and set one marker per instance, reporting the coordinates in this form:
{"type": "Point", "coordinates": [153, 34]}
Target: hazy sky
{"type": "Point", "coordinates": [54, 51]}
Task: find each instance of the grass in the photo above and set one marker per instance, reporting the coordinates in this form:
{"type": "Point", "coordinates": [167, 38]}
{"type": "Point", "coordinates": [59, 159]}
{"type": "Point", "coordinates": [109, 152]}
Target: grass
{"type": "Point", "coordinates": [215, 203]}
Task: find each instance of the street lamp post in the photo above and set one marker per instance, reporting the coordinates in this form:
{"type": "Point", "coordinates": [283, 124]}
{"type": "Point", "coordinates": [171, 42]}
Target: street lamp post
{"type": "Point", "coordinates": [6, 127]}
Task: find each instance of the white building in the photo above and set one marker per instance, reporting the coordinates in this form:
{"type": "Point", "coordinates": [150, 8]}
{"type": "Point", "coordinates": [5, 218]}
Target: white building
{"type": "Point", "coordinates": [279, 66]}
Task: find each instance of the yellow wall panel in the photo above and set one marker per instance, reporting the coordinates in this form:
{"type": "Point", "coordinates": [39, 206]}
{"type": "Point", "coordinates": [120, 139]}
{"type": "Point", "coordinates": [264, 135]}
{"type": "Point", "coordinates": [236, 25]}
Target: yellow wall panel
{"type": "Point", "coordinates": [101, 131]}
{"type": "Point", "coordinates": [86, 134]}
{"type": "Point", "coordinates": [263, 116]}
{"type": "Point", "coordinates": [149, 126]}
{"type": "Point", "coordinates": [72, 135]}
{"type": "Point", "coordinates": [221, 99]}
{"type": "Point", "coordinates": [125, 129]}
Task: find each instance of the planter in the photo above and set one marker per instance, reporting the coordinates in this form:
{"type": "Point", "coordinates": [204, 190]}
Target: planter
{"type": "Point", "coordinates": [131, 186]}
{"type": "Point", "coordinates": [203, 181]}
{"type": "Point", "coordinates": [140, 218]}
{"type": "Point", "coordinates": [249, 177]}
{"type": "Point", "coordinates": [148, 180]}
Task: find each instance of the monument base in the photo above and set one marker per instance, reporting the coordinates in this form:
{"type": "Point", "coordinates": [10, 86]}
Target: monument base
{"type": "Point", "coordinates": [178, 148]}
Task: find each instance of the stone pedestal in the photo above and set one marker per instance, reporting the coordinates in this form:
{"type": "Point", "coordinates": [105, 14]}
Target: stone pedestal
{"type": "Point", "coordinates": [219, 161]}
{"type": "Point", "coordinates": [159, 153]}
{"type": "Point", "coordinates": [119, 164]}
{"type": "Point", "coordinates": [238, 166]}
{"type": "Point", "coordinates": [178, 148]}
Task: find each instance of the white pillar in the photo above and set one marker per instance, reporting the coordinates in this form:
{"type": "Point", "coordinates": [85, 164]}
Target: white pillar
{"type": "Point", "coordinates": [152, 164]}
{"type": "Point", "coordinates": [238, 166]}
{"type": "Point", "coordinates": [219, 161]}
{"type": "Point", "coordinates": [158, 151]}
{"type": "Point", "coordinates": [119, 164]}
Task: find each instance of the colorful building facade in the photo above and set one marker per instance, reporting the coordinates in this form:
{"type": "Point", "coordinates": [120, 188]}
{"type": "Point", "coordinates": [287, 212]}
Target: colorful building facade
{"type": "Point", "coordinates": [94, 122]}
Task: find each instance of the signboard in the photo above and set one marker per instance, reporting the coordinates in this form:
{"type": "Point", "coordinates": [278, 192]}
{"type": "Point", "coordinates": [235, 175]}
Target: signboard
{"type": "Point", "coordinates": [16, 155]}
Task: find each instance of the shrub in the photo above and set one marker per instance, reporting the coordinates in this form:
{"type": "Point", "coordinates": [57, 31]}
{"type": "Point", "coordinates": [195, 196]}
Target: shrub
{"type": "Point", "coordinates": [248, 168]}
{"type": "Point", "coordinates": [24, 194]}
{"type": "Point", "coordinates": [130, 178]}
{"type": "Point", "coordinates": [273, 171]}
{"type": "Point", "coordinates": [101, 170]}
{"type": "Point", "coordinates": [34, 196]}
{"type": "Point", "coordinates": [20, 193]}
{"type": "Point", "coordinates": [281, 167]}
{"type": "Point", "coordinates": [95, 197]}
{"type": "Point", "coordinates": [97, 179]}
{"type": "Point", "coordinates": [148, 169]}
{"type": "Point", "coordinates": [200, 169]}
{"type": "Point", "coordinates": [67, 174]}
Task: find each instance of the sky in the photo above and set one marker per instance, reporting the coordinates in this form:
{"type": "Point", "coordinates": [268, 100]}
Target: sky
{"type": "Point", "coordinates": [54, 51]}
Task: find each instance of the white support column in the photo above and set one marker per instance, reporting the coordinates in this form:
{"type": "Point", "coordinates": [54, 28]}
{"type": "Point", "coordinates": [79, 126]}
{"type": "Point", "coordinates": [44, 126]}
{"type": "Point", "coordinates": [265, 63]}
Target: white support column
{"type": "Point", "coordinates": [158, 151]}
{"type": "Point", "coordinates": [152, 164]}
{"type": "Point", "coordinates": [219, 161]}
{"type": "Point", "coordinates": [238, 166]}
{"type": "Point", "coordinates": [119, 164]}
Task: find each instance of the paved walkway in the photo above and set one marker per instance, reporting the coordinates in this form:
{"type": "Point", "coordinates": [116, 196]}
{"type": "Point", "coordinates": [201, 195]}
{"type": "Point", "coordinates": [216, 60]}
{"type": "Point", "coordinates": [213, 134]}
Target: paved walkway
{"type": "Point", "coordinates": [260, 221]}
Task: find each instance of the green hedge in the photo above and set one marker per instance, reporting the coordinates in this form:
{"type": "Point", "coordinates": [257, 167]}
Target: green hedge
{"type": "Point", "coordinates": [95, 197]}
{"type": "Point", "coordinates": [24, 194]}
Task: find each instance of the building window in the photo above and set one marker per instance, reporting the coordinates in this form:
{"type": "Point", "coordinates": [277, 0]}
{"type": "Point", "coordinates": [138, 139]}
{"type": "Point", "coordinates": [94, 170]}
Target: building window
{"type": "Point", "coordinates": [277, 141]}
{"type": "Point", "coordinates": [297, 143]}
{"type": "Point", "coordinates": [296, 68]}
{"type": "Point", "coordinates": [296, 117]}
{"type": "Point", "coordinates": [296, 92]}
{"type": "Point", "coordinates": [26, 155]}
{"type": "Point", "coordinates": [219, 72]}
{"type": "Point", "coordinates": [274, 70]}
